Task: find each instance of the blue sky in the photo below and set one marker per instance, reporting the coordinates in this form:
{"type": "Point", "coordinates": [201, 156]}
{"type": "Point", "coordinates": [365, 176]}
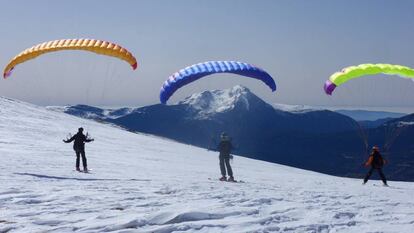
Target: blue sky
{"type": "Point", "coordinates": [300, 43]}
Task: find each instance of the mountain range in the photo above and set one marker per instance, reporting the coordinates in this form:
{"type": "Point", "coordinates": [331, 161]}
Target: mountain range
{"type": "Point", "coordinates": [365, 115]}
{"type": "Point", "coordinates": [313, 139]}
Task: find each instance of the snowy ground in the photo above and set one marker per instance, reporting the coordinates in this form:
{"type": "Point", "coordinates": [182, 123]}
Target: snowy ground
{"type": "Point", "coordinates": [142, 183]}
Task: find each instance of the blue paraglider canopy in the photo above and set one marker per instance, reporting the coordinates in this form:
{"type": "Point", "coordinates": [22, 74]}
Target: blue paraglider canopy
{"type": "Point", "coordinates": [197, 71]}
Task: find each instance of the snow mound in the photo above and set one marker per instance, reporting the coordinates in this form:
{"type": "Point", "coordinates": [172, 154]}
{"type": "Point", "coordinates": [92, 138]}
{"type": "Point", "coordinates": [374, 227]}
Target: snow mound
{"type": "Point", "coordinates": [404, 123]}
{"type": "Point", "coordinates": [142, 183]}
{"type": "Point", "coordinates": [295, 108]}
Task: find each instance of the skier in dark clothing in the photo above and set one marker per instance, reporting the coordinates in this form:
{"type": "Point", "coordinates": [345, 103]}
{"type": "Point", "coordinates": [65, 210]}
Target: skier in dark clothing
{"type": "Point", "coordinates": [376, 162]}
{"type": "Point", "coordinates": [79, 147]}
{"type": "Point", "coordinates": [225, 148]}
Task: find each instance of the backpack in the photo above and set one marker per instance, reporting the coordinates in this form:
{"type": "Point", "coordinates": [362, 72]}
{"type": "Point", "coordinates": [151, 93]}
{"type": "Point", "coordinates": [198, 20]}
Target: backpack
{"type": "Point", "coordinates": [377, 160]}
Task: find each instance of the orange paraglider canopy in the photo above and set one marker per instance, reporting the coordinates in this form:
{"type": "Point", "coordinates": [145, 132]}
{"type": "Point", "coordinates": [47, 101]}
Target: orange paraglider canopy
{"type": "Point", "coordinates": [96, 46]}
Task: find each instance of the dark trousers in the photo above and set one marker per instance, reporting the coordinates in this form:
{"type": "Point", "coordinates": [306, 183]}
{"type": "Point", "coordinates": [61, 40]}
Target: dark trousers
{"type": "Point", "coordinates": [225, 160]}
{"type": "Point", "coordinates": [78, 154]}
{"type": "Point", "coordinates": [379, 170]}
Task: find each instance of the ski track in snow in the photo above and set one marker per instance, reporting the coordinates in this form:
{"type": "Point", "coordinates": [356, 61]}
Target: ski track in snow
{"type": "Point", "coordinates": [142, 183]}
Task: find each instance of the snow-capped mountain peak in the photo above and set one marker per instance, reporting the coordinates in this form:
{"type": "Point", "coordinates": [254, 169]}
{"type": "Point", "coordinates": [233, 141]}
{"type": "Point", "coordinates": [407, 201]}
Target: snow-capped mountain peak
{"type": "Point", "coordinates": [208, 103]}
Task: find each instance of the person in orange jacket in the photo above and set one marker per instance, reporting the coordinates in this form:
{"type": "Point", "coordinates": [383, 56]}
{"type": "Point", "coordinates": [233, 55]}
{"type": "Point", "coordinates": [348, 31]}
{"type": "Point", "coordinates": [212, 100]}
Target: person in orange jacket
{"type": "Point", "coordinates": [376, 161]}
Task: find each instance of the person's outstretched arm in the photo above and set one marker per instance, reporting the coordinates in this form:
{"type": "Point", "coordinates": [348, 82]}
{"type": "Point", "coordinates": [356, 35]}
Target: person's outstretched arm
{"type": "Point", "coordinates": [86, 138]}
{"type": "Point", "coordinates": [69, 140]}
{"type": "Point", "coordinates": [371, 157]}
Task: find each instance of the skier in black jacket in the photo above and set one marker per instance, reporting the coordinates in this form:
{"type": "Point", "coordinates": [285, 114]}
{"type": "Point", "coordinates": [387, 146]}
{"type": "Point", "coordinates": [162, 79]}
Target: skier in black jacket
{"type": "Point", "coordinates": [79, 147]}
{"type": "Point", "coordinates": [225, 148]}
{"type": "Point", "coordinates": [376, 162]}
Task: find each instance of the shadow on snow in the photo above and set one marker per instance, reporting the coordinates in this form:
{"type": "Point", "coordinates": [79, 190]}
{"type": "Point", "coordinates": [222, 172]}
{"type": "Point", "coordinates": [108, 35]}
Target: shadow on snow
{"type": "Point", "coordinates": [74, 178]}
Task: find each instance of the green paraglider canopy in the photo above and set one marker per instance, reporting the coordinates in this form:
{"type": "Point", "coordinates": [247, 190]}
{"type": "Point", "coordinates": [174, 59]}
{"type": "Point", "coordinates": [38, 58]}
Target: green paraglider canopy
{"type": "Point", "coordinates": [352, 72]}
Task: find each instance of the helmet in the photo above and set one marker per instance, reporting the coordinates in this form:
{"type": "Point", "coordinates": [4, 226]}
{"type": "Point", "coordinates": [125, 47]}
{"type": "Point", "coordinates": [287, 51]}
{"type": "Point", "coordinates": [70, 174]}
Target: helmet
{"type": "Point", "coordinates": [375, 147]}
{"type": "Point", "coordinates": [80, 129]}
{"type": "Point", "coordinates": [224, 136]}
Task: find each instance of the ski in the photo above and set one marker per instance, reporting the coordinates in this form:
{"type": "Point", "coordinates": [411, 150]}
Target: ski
{"type": "Point", "coordinates": [235, 181]}
{"type": "Point", "coordinates": [82, 171]}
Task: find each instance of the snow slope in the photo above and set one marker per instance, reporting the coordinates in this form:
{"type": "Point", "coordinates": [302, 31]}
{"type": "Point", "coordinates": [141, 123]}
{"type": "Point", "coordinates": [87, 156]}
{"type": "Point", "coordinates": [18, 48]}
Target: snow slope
{"type": "Point", "coordinates": [142, 183]}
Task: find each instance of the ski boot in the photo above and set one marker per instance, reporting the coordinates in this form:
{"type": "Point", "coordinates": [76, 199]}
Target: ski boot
{"type": "Point", "coordinates": [78, 169]}
{"type": "Point", "coordinates": [223, 178]}
{"type": "Point", "coordinates": [85, 169]}
{"type": "Point", "coordinates": [231, 179]}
